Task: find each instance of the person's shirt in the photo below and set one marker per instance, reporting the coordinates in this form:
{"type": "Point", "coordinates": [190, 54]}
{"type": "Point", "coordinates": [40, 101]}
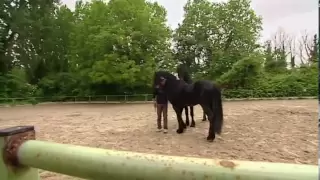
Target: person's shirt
{"type": "Point", "coordinates": [161, 97]}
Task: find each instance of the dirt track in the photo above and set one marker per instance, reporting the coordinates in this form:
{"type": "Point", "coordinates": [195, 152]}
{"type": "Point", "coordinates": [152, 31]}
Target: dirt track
{"type": "Point", "coordinates": [276, 131]}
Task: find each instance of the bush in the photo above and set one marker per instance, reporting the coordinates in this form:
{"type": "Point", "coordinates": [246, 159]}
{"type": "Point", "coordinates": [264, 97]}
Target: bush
{"type": "Point", "coordinates": [292, 83]}
{"type": "Point", "coordinates": [15, 84]}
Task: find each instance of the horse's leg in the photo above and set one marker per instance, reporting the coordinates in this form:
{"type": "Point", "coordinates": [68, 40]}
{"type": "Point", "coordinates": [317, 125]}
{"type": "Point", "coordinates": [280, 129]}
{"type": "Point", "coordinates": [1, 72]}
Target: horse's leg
{"type": "Point", "coordinates": [193, 124]}
{"type": "Point", "coordinates": [186, 111]}
{"type": "Point", "coordinates": [204, 116]}
{"type": "Point", "coordinates": [181, 124]}
{"type": "Point", "coordinates": [207, 109]}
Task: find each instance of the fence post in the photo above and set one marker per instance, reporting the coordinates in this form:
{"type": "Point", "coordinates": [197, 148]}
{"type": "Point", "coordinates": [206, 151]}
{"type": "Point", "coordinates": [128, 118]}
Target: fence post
{"type": "Point", "coordinates": [89, 99]}
{"type": "Point", "coordinates": [10, 141]}
{"type": "Point", "coordinates": [106, 99]}
{"type": "Point", "coordinates": [125, 98]}
{"type": "Point", "coordinates": [146, 97]}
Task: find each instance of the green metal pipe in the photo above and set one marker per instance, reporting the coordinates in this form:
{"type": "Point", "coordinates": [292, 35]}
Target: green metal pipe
{"type": "Point", "coordinates": [94, 163]}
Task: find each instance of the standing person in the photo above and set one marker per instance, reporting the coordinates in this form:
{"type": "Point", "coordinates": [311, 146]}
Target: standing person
{"type": "Point", "coordinates": [161, 102]}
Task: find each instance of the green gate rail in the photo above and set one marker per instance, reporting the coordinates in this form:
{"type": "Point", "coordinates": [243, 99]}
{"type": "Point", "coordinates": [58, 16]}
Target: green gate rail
{"type": "Point", "coordinates": [22, 155]}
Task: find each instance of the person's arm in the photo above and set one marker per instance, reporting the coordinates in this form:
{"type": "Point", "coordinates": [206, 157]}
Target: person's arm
{"type": "Point", "coordinates": [155, 92]}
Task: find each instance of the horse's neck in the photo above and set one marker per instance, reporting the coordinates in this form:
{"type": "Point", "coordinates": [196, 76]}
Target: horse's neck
{"type": "Point", "coordinates": [174, 87]}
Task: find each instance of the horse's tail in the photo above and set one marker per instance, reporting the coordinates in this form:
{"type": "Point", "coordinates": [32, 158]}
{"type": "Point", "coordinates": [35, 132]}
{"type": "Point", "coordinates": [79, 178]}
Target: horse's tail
{"type": "Point", "coordinates": [217, 110]}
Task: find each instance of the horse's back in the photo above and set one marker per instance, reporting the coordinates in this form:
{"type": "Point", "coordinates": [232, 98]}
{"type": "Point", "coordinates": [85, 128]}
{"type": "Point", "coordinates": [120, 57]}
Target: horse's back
{"type": "Point", "coordinates": [195, 93]}
{"type": "Point", "coordinates": [205, 85]}
{"type": "Point", "coordinates": [188, 88]}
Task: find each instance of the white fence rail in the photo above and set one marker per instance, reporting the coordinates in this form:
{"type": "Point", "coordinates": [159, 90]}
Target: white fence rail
{"type": "Point", "coordinates": [137, 98]}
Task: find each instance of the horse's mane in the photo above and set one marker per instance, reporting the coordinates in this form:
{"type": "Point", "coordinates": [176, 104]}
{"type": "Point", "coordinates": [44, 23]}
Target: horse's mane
{"type": "Point", "coordinates": [183, 73]}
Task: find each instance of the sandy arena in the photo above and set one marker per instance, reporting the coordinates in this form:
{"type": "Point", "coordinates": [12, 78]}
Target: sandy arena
{"type": "Point", "coordinates": [275, 131]}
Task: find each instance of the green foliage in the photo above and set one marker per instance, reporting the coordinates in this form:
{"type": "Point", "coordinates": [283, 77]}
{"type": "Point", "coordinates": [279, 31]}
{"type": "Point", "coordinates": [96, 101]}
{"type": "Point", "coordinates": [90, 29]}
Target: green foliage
{"type": "Point", "coordinates": [270, 63]}
{"type": "Point", "coordinates": [59, 84]}
{"type": "Point", "coordinates": [298, 82]}
{"type": "Point", "coordinates": [219, 34]}
{"type": "Point", "coordinates": [244, 73]}
{"type": "Point", "coordinates": [115, 44]}
{"type": "Point", "coordinates": [275, 60]}
{"type": "Point", "coordinates": [14, 84]}
{"type": "Point", "coordinates": [113, 47]}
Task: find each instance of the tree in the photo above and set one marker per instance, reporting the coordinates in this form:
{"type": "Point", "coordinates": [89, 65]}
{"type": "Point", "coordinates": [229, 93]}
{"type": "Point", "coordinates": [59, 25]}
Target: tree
{"type": "Point", "coordinates": [308, 48]}
{"type": "Point", "coordinates": [113, 47]}
{"type": "Point", "coordinates": [277, 51]}
{"type": "Point", "coordinates": [119, 42]}
{"type": "Point", "coordinates": [292, 51]}
{"type": "Point", "coordinates": [313, 50]}
{"type": "Point", "coordinates": [26, 26]}
{"type": "Point", "coordinates": [269, 63]}
{"type": "Point", "coordinates": [244, 73]}
{"type": "Point", "coordinates": [216, 35]}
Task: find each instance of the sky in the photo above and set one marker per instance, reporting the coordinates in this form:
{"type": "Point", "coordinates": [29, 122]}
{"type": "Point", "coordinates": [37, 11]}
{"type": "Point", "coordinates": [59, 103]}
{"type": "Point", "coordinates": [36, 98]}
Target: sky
{"type": "Point", "coordinates": [292, 16]}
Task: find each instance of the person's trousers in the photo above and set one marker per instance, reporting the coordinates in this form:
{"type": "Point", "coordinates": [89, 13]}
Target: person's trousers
{"type": "Point", "coordinates": [162, 111]}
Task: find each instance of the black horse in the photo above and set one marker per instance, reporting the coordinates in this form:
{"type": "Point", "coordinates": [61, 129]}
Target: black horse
{"type": "Point", "coordinates": [181, 94]}
{"type": "Point", "coordinates": [184, 75]}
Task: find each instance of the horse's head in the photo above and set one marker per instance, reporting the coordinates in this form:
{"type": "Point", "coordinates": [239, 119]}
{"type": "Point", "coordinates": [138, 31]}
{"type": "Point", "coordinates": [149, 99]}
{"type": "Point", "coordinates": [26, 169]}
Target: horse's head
{"type": "Point", "coordinates": [162, 78]}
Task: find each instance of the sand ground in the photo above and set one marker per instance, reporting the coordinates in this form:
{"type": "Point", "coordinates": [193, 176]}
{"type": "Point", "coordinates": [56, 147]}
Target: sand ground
{"type": "Point", "coordinates": [275, 131]}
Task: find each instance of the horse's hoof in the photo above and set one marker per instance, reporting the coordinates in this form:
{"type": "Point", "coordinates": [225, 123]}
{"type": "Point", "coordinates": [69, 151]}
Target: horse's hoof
{"type": "Point", "coordinates": [179, 131]}
{"type": "Point", "coordinates": [187, 123]}
{"type": "Point", "coordinates": [192, 125]}
{"type": "Point", "coordinates": [184, 126]}
{"type": "Point", "coordinates": [210, 139]}
{"type": "Point", "coordinates": [204, 120]}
